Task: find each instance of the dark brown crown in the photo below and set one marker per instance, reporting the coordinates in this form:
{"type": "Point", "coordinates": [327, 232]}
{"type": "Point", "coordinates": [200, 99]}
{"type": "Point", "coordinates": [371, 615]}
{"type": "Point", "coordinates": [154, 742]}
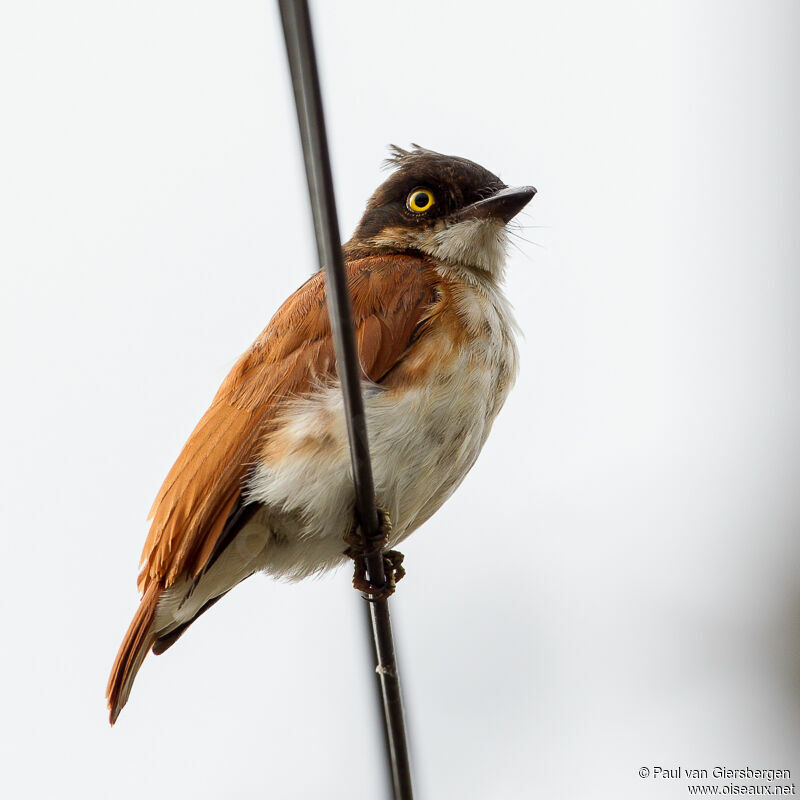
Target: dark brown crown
{"type": "Point", "coordinates": [455, 182]}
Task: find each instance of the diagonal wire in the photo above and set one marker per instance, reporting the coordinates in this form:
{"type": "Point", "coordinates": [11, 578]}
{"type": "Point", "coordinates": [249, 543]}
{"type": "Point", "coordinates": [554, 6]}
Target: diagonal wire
{"type": "Point", "coordinates": [308, 99]}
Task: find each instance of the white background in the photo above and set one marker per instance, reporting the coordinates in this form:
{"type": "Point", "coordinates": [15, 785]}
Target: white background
{"type": "Point", "coordinates": [617, 582]}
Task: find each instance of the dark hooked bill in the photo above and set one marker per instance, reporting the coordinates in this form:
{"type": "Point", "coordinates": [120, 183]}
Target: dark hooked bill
{"type": "Point", "coordinates": [504, 205]}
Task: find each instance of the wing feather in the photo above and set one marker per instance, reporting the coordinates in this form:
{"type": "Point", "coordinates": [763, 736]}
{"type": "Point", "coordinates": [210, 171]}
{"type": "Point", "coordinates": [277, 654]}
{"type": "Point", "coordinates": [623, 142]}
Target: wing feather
{"type": "Point", "coordinates": [391, 296]}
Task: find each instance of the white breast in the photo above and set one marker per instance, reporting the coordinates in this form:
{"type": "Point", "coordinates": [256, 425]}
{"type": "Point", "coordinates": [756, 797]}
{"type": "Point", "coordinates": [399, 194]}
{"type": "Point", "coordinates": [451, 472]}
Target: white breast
{"type": "Point", "coordinates": [423, 441]}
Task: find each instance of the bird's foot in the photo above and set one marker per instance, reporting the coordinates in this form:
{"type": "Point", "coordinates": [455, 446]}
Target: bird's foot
{"type": "Point", "coordinates": [355, 540]}
{"type": "Point", "coordinates": [393, 569]}
{"type": "Point", "coordinates": [392, 559]}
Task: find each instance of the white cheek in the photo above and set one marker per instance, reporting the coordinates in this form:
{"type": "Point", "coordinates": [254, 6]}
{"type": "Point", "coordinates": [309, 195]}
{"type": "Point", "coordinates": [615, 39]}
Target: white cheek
{"type": "Point", "coordinates": [474, 243]}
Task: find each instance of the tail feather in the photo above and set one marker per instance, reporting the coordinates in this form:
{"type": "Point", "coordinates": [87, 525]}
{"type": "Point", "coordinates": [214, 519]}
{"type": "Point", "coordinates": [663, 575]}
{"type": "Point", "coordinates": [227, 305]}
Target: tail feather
{"type": "Point", "coordinates": [138, 640]}
{"type": "Point", "coordinates": [165, 640]}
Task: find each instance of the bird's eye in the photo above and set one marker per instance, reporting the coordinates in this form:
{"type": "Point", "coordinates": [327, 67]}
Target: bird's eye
{"type": "Point", "coordinates": [420, 200]}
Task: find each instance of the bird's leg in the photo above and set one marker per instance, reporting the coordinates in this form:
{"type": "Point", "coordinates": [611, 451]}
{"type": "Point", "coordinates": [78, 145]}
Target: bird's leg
{"type": "Point", "coordinates": [392, 559]}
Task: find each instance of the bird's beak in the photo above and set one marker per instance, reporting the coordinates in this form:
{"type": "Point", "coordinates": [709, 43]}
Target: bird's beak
{"type": "Point", "coordinates": [504, 204]}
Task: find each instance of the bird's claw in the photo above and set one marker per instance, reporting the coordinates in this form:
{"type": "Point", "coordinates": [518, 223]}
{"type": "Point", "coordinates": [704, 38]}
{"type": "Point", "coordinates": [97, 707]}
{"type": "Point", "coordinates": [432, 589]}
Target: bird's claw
{"type": "Point", "coordinates": [392, 559]}
{"type": "Point", "coordinates": [393, 569]}
{"type": "Point", "coordinates": [355, 540]}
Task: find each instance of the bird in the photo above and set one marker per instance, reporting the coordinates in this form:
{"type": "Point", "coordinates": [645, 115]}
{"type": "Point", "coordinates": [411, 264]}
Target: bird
{"type": "Point", "coordinates": [264, 482]}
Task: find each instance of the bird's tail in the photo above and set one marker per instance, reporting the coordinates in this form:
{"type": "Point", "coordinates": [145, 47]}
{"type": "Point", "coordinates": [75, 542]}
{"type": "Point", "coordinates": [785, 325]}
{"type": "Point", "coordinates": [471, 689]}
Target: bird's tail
{"type": "Point", "coordinates": [138, 640]}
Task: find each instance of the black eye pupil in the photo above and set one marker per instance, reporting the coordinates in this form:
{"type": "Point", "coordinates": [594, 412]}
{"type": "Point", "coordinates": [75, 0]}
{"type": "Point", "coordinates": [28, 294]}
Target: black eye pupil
{"type": "Point", "coordinates": [420, 199]}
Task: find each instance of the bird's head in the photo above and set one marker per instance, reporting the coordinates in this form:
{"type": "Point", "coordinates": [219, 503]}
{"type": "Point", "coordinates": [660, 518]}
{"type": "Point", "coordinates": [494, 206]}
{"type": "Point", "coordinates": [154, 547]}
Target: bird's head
{"type": "Point", "coordinates": [446, 207]}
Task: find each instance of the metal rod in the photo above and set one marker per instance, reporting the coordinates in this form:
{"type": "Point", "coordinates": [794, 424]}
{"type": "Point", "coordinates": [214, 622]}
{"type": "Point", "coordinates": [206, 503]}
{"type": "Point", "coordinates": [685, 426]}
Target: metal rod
{"type": "Point", "coordinates": [377, 687]}
{"type": "Point", "coordinates": [308, 100]}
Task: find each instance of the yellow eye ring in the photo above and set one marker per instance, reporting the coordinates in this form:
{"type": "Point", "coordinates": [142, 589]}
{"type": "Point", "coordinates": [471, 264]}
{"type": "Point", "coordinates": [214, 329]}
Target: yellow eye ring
{"type": "Point", "coordinates": [420, 200]}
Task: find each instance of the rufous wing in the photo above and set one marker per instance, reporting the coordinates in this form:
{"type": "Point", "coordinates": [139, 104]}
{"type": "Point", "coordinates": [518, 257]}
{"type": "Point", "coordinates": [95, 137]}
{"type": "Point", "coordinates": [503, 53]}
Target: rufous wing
{"type": "Point", "coordinates": [293, 353]}
{"type": "Point", "coordinates": [391, 297]}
